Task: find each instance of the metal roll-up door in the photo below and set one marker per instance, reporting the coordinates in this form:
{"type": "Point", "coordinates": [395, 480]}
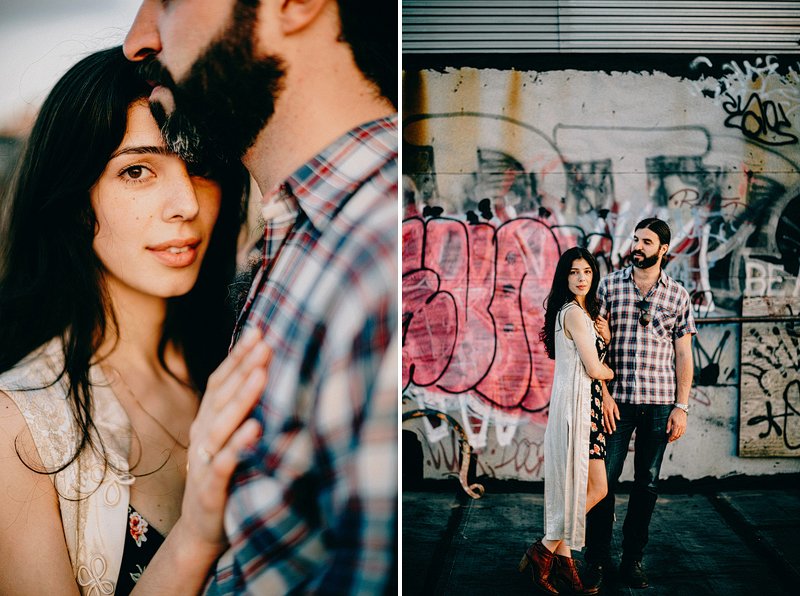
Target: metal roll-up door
{"type": "Point", "coordinates": [547, 26]}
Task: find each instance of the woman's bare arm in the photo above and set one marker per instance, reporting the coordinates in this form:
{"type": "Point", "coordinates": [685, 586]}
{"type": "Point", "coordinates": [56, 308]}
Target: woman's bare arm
{"type": "Point", "coordinates": [33, 552]}
{"type": "Point", "coordinates": [575, 325]}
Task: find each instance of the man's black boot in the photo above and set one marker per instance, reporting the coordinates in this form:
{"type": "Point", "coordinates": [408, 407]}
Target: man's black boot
{"type": "Point", "coordinates": [632, 574]}
{"type": "Point", "coordinates": [598, 572]}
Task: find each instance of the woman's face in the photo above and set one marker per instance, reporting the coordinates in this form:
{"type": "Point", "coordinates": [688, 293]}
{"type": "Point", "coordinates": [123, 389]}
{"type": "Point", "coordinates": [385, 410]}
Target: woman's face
{"type": "Point", "coordinates": [154, 219]}
{"type": "Point", "coordinates": [580, 277]}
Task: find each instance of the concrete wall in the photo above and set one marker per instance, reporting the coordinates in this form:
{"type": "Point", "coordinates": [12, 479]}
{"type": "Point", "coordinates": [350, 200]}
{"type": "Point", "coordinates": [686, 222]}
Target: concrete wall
{"type": "Point", "coordinates": [504, 169]}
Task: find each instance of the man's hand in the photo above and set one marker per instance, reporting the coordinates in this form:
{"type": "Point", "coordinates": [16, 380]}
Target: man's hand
{"type": "Point", "coordinates": [610, 411]}
{"type": "Point", "coordinates": [676, 425]}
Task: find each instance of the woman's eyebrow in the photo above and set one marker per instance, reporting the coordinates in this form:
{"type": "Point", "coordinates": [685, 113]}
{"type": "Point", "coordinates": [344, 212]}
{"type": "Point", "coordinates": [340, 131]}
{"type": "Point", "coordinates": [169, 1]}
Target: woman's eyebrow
{"type": "Point", "coordinates": [142, 150]}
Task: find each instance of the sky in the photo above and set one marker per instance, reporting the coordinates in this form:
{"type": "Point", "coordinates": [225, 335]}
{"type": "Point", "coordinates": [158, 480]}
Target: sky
{"type": "Point", "coordinates": [41, 39]}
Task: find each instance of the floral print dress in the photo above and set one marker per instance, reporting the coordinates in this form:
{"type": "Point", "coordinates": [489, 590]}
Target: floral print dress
{"type": "Point", "coordinates": [597, 439]}
{"type": "Point", "coordinates": [141, 543]}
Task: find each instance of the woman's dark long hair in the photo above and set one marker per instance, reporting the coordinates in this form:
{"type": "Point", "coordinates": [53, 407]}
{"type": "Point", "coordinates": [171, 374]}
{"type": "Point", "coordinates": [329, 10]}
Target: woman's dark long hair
{"type": "Point", "coordinates": [559, 295]}
{"type": "Point", "coordinates": [51, 281]}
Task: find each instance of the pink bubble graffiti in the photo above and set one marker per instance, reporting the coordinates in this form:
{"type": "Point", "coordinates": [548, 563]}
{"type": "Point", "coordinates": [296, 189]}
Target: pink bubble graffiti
{"type": "Point", "coordinates": [473, 301]}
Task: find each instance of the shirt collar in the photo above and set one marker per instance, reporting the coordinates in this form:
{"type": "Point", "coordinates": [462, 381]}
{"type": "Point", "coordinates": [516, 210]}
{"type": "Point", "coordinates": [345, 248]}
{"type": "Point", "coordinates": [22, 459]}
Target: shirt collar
{"type": "Point", "coordinates": [627, 273]}
{"type": "Point", "coordinates": [321, 186]}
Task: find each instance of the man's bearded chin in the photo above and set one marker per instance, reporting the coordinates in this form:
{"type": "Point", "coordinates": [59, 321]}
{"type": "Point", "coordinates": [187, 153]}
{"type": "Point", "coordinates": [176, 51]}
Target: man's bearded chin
{"type": "Point", "coordinates": [645, 262]}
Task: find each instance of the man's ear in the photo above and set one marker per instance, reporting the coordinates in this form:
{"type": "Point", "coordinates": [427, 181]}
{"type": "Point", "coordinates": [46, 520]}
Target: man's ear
{"type": "Point", "coordinates": [296, 15]}
{"type": "Point", "coordinates": [666, 248]}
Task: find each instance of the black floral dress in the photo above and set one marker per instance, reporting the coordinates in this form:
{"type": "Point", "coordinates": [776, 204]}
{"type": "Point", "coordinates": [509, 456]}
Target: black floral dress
{"type": "Point", "coordinates": [141, 543]}
{"type": "Point", "coordinates": [597, 438]}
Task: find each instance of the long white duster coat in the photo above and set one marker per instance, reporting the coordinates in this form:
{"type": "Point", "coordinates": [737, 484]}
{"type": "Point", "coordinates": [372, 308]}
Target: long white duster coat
{"type": "Point", "coordinates": [566, 441]}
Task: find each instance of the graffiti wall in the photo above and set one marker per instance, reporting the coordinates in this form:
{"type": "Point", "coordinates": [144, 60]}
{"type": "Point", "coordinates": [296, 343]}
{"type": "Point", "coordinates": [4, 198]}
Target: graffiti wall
{"type": "Point", "coordinates": [770, 398]}
{"type": "Point", "coordinates": [504, 169]}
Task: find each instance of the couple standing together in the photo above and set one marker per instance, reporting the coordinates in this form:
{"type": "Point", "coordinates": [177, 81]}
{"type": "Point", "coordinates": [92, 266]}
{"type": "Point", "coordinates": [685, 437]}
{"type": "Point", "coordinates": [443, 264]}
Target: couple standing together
{"type": "Point", "coordinates": [136, 454]}
{"type": "Point", "coordinates": [640, 321]}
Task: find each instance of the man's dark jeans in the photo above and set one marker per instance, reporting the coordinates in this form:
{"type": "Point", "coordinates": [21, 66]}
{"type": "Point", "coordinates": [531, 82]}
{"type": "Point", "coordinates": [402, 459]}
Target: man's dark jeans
{"type": "Point", "coordinates": [650, 424]}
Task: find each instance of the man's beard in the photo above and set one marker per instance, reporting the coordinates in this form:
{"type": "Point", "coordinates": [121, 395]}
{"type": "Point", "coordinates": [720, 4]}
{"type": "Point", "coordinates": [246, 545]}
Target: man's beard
{"type": "Point", "coordinates": [646, 262]}
{"type": "Point", "coordinates": [226, 98]}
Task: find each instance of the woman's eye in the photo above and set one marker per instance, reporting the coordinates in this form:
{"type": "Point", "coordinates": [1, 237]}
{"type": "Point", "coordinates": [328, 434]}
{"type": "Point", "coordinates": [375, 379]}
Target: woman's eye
{"type": "Point", "coordinates": [135, 173]}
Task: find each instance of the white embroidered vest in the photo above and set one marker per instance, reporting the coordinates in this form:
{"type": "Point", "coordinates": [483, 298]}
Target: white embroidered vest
{"type": "Point", "coordinates": [93, 497]}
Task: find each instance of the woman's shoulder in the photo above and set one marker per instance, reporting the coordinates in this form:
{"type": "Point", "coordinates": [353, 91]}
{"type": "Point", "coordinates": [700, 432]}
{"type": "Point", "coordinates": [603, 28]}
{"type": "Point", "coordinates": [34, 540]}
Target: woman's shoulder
{"type": "Point", "coordinates": [574, 311]}
{"type": "Point", "coordinates": [571, 305]}
{"type": "Point", "coordinates": [37, 370]}
{"type": "Point", "coordinates": [576, 319]}
{"type": "Point", "coordinates": [564, 312]}
{"type": "Point", "coordinates": [12, 422]}
{"type": "Point", "coordinates": [16, 433]}
{"type": "Point", "coordinates": [34, 393]}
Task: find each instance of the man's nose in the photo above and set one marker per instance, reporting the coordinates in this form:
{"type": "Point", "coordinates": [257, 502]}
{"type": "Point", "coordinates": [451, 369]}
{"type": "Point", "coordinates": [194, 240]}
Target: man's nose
{"type": "Point", "coordinates": [143, 39]}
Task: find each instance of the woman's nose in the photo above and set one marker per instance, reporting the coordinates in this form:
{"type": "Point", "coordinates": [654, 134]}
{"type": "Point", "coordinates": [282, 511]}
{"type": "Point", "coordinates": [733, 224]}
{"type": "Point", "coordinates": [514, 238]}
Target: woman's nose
{"type": "Point", "coordinates": [181, 202]}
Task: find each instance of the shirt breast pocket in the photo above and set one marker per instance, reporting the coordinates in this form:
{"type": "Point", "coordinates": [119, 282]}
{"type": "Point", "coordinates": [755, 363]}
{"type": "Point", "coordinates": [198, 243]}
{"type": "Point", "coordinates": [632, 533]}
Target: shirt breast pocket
{"type": "Point", "coordinates": [663, 323]}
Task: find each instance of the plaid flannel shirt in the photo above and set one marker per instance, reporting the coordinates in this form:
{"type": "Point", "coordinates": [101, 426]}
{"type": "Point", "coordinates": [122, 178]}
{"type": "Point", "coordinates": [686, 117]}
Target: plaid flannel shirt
{"type": "Point", "coordinates": [643, 357]}
{"type": "Point", "coordinates": [314, 508]}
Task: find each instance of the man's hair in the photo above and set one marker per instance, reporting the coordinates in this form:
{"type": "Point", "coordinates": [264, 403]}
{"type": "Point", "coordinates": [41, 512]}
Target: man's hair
{"type": "Point", "coordinates": [370, 27]}
{"type": "Point", "coordinates": [658, 226]}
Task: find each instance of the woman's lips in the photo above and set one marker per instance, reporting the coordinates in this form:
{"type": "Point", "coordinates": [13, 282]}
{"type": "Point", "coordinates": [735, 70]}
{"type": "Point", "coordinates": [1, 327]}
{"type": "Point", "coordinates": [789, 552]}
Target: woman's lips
{"type": "Point", "coordinates": [176, 253]}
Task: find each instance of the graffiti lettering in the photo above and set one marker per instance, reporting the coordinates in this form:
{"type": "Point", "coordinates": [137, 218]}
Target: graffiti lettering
{"type": "Point", "coordinates": [472, 309]}
{"type": "Point", "coordinates": [768, 279]}
{"type": "Point", "coordinates": [525, 456]}
{"type": "Point", "coordinates": [763, 121]}
{"type": "Point", "coordinates": [761, 77]}
{"type": "Point", "coordinates": [770, 368]}
{"type": "Point", "coordinates": [784, 424]}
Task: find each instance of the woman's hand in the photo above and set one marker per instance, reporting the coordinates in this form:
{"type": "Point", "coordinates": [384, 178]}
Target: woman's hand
{"type": "Point", "coordinates": [218, 436]}
{"type": "Point", "coordinates": [216, 441]}
{"type": "Point", "coordinates": [603, 330]}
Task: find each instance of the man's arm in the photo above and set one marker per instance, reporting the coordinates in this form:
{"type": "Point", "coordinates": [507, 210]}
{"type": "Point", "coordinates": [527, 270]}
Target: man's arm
{"type": "Point", "coordinates": [602, 297]}
{"type": "Point", "coordinates": [610, 409]}
{"type": "Point", "coordinates": [365, 493]}
{"type": "Point", "coordinates": [684, 371]}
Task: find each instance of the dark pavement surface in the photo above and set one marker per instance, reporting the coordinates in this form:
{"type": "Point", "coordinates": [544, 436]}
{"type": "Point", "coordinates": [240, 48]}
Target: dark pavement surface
{"type": "Point", "coordinates": [731, 541]}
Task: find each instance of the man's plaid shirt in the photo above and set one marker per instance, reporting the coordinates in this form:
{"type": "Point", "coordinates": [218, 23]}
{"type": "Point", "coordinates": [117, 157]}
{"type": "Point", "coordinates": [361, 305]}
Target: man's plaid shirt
{"type": "Point", "coordinates": [314, 509]}
{"type": "Point", "coordinates": [643, 358]}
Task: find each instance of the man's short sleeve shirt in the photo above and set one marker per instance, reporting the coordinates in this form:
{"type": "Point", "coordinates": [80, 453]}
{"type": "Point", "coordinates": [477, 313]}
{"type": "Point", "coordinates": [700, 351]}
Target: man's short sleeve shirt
{"type": "Point", "coordinates": [643, 357]}
{"type": "Point", "coordinates": [313, 509]}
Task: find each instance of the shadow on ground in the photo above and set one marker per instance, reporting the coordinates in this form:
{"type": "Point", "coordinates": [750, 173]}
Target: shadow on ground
{"type": "Point", "coordinates": [732, 542]}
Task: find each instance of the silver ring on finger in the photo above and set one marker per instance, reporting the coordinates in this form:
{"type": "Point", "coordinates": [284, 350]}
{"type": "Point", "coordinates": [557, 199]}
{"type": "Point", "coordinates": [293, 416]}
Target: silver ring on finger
{"type": "Point", "coordinates": [205, 455]}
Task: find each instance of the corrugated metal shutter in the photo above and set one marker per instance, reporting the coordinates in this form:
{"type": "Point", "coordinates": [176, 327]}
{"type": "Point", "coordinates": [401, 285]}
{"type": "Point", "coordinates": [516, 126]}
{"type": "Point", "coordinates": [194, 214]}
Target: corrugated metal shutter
{"type": "Point", "coordinates": [474, 26]}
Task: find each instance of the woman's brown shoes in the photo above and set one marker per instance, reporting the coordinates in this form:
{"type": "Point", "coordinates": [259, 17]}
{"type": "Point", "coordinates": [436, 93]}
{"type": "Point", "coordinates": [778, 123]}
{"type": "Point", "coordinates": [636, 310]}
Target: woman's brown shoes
{"type": "Point", "coordinates": [541, 561]}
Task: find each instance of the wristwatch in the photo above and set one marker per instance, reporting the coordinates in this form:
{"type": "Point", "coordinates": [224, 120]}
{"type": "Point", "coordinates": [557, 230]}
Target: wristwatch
{"type": "Point", "coordinates": [684, 407]}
